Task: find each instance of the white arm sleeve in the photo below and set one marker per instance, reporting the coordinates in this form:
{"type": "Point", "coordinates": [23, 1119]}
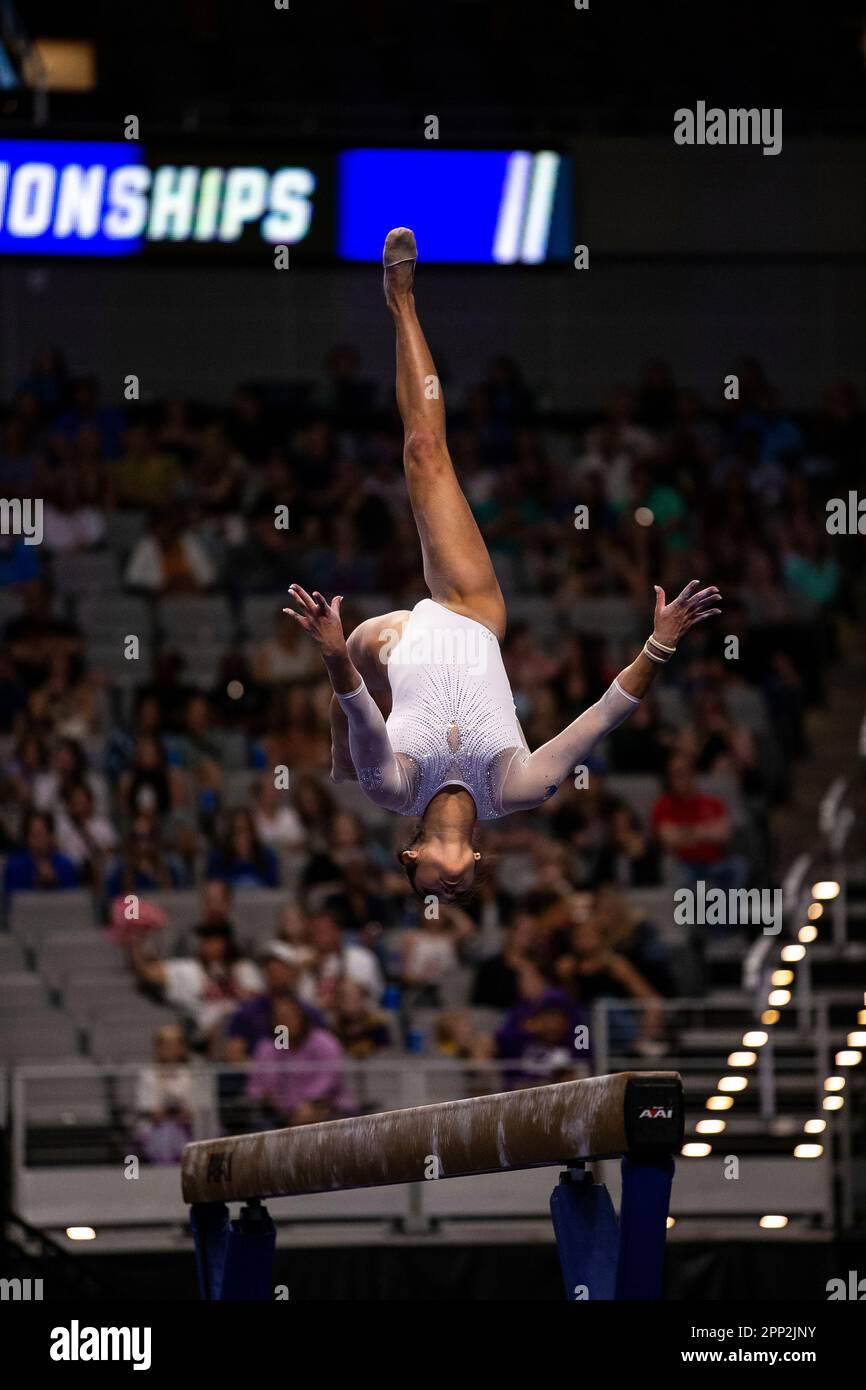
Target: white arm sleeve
{"type": "Point", "coordinates": [379, 773]}
{"type": "Point", "coordinates": [533, 777]}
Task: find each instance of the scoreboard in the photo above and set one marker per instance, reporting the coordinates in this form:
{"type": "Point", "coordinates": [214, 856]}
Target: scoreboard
{"type": "Point", "coordinates": [121, 199]}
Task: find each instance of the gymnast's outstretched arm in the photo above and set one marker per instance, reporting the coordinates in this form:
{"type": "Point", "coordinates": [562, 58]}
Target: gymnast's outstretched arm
{"type": "Point", "coordinates": [533, 777]}
{"type": "Point", "coordinates": [379, 772]}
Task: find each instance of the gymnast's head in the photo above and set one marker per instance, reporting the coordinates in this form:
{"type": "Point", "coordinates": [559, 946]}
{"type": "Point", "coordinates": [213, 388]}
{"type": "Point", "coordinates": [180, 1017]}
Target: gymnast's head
{"type": "Point", "coordinates": [446, 867]}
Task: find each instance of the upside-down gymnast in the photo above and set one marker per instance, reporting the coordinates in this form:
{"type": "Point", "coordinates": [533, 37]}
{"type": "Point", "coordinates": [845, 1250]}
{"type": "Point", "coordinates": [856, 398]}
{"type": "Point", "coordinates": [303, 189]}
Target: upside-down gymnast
{"type": "Point", "coordinates": [422, 713]}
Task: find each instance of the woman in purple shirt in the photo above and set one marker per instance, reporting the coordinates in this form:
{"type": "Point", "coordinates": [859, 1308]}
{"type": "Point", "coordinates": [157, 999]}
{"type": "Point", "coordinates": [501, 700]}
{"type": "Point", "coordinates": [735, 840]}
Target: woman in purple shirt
{"type": "Point", "coordinates": [300, 1095]}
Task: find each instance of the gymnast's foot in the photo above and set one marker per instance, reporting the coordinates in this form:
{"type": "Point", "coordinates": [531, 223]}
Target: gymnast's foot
{"type": "Point", "coordinates": [399, 258]}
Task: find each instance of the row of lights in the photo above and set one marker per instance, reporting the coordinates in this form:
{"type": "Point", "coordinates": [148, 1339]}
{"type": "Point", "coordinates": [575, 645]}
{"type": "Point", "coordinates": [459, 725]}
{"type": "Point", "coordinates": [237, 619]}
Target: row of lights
{"type": "Point", "coordinates": [777, 999]}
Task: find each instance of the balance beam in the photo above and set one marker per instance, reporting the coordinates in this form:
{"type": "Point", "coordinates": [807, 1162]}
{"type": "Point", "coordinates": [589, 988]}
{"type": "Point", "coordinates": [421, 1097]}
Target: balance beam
{"type": "Point", "coordinates": [637, 1113]}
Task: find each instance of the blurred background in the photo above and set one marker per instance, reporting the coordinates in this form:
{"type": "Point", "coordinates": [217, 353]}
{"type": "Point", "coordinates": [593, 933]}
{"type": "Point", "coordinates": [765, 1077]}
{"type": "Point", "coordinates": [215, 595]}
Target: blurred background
{"type": "Point", "coordinates": [193, 199]}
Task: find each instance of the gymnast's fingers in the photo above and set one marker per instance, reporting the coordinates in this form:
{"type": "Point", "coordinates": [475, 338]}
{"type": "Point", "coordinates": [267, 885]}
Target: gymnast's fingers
{"type": "Point", "coordinates": [710, 613]}
{"type": "Point", "coordinates": [688, 591]}
{"type": "Point", "coordinates": [303, 598]}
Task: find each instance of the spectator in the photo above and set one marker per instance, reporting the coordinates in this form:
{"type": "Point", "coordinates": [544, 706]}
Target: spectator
{"type": "Point", "coordinates": [144, 866]}
{"type": "Point", "coordinates": [169, 1096]}
{"type": "Point", "coordinates": [276, 822]}
{"type": "Point", "coordinates": [694, 828]}
{"type": "Point", "coordinates": [205, 987]}
{"type": "Point", "coordinates": [592, 970]}
{"type": "Point", "coordinates": [541, 1033]}
{"type": "Point", "coordinates": [337, 959]}
{"type": "Point", "coordinates": [512, 974]}
{"type": "Point", "coordinates": [457, 1036]}
{"type": "Point", "coordinates": [360, 1027]}
{"type": "Point", "coordinates": [38, 864]}
{"type": "Point", "coordinates": [300, 1096]}
{"type": "Point", "coordinates": [635, 938]}
{"type": "Point", "coordinates": [171, 559]}
{"type": "Point", "coordinates": [149, 785]}
{"type": "Point", "coordinates": [241, 858]}
{"type": "Point", "coordinates": [147, 475]}
{"type": "Point", "coordinates": [282, 966]}
{"type": "Point", "coordinates": [431, 954]}
{"type": "Point", "coordinates": [284, 657]}
{"type": "Point", "coordinates": [630, 858]}
{"type": "Point", "coordinates": [83, 836]}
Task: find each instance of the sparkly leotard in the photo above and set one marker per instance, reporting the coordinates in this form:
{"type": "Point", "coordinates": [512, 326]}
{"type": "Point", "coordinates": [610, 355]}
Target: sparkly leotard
{"type": "Point", "coordinates": [452, 711]}
{"type": "Point", "coordinates": [453, 722]}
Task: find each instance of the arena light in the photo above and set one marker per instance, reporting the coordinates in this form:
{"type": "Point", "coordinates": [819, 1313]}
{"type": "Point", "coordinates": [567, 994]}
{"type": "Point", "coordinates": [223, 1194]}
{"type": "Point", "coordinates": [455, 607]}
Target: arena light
{"type": "Point", "coordinates": [68, 65]}
{"type": "Point", "coordinates": [80, 1233]}
{"type": "Point", "coordinates": [773, 1223]}
{"type": "Point", "coordinates": [732, 1083]}
{"type": "Point", "coordinates": [782, 977]}
{"type": "Point", "coordinates": [832, 1103]}
{"type": "Point", "coordinates": [742, 1059]}
{"type": "Point", "coordinates": [770, 1016]}
{"type": "Point", "coordinates": [826, 890]}
{"type": "Point", "coordinates": [807, 934]}
{"type": "Point", "coordinates": [696, 1150]}
{"type": "Point", "coordinates": [848, 1057]}
{"type": "Point", "coordinates": [710, 1127]}
{"type": "Point", "coordinates": [793, 952]}
{"type": "Point", "coordinates": [755, 1038]}
{"type": "Point", "coordinates": [861, 1016]}
{"type": "Point", "coordinates": [834, 1083]}
{"type": "Point", "coordinates": [718, 1103]}
{"type": "Point", "coordinates": [814, 1126]}
{"type": "Point", "coordinates": [671, 1222]}
{"type": "Point", "coordinates": [815, 910]}
{"type": "Point", "coordinates": [856, 1039]}
{"type": "Point", "coordinates": [808, 1150]}
{"type": "Point", "coordinates": [779, 998]}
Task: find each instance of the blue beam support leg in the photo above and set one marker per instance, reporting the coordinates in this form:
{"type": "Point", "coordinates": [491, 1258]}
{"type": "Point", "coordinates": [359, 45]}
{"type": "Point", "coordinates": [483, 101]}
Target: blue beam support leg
{"type": "Point", "coordinates": [605, 1258]}
{"type": "Point", "coordinates": [643, 1216]}
{"type": "Point", "coordinates": [235, 1259]}
{"type": "Point", "coordinates": [586, 1235]}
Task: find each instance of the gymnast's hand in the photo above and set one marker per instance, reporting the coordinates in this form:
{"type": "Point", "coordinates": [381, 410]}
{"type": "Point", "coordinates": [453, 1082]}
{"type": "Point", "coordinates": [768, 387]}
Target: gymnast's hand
{"type": "Point", "coordinates": [321, 620]}
{"type": "Point", "coordinates": [672, 620]}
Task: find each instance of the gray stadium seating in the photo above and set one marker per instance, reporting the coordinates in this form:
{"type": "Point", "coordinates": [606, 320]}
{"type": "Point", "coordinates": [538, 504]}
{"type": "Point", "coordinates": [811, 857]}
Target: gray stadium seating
{"type": "Point", "coordinates": [32, 916]}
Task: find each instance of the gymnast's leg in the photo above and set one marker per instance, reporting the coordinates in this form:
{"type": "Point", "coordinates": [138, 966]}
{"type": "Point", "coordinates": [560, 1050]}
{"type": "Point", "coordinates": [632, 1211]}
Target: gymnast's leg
{"type": "Point", "coordinates": [457, 566]}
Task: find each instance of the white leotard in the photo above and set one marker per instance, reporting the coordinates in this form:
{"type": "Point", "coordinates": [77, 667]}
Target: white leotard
{"type": "Point", "coordinates": [453, 722]}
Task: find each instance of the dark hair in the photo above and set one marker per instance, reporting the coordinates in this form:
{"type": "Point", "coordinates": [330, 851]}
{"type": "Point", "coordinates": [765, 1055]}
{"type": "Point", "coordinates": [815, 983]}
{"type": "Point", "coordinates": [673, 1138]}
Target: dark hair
{"type": "Point", "coordinates": [410, 868]}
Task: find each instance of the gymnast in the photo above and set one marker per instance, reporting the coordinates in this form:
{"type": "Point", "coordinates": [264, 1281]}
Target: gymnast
{"type": "Point", "coordinates": [422, 713]}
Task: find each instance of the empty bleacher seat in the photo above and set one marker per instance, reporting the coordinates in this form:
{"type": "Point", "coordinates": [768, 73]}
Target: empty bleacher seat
{"type": "Point", "coordinates": [46, 1034]}
{"type": "Point", "coordinates": [11, 954]}
{"type": "Point", "coordinates": [64, 953]}
{"type": "Point", "coordinates": [88, 994]}
{"type": "Point", "coordinates": [200, 619]}
{"type": "Point", "coordinates": [31, 916]}
{"type": "Point", "coordinates": [117, 1038]}
{"type": "Point", "coordinates": [23, 990]}
{"type": "Point", "coordinates": [85, 572]}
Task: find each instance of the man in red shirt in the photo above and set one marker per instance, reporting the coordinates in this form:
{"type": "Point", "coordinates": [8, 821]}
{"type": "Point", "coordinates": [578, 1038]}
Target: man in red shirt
{"type": "Point", "coordinates": [693, 826]}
